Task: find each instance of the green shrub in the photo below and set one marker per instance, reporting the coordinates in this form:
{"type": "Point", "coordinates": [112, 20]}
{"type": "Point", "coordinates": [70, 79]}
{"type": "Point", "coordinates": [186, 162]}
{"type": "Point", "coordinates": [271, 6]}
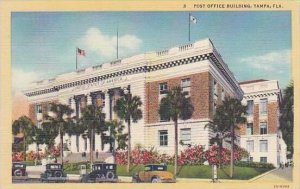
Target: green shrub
{"type": "Point", "coordinates": [254, 164]}
{"type": "Point", "coordinates": [71, 167]}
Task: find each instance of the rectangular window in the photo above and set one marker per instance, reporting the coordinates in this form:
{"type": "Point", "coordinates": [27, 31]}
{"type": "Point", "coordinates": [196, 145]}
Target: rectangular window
{"type": "Point", "coordinates": [250, 145]}
{"type": "Point", "coordinates": [249, 128]}
{"type": "Point", "coordinates": [263, 146]}
{"type": "Point", "coordinates": [85, 144]}
{"type": "Point", "coordinates": [39, 124]}
{"type": "Point", "coordinates": [251, 159]}
{"type": "Point", "coordinates": [250, 107]}
{"type": "Point", "coordinates": [163, 88]}
{"type": "Point", "coordinates": [215, 96]}
{"type": "Point", "coordinates": [38, 108]}
{"type": "Point", "coordinates": [264, 106]}
{"type": "Point", "coordinates": [263, 160]}
{"type": "Point", "coordinates": [186, 85]}
{"type": "Point", "coordinates": [215, 89]}
{"type": "Point", "coordinates": [163, 138]}
{"type": "Point", "coordinates": [263, 128]}
{"type": "Point", "coordinates": [223, 95]}
{"type": "Point", "coordinates": [185, 135]}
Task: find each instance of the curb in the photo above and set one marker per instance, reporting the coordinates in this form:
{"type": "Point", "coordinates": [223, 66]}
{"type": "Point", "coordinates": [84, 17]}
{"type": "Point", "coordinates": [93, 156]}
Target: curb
{"type": "Point", "coordinates": [262, 175]}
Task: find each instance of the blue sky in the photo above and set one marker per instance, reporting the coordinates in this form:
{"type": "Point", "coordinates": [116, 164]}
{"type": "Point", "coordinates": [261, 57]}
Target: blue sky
{"type": "Point", "coordinates": [254, 44]}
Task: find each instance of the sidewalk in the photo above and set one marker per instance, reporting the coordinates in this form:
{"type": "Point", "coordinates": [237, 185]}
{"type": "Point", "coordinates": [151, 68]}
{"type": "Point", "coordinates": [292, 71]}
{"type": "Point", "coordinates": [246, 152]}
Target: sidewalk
{"type": "Point", "coordinates": [276, 175]}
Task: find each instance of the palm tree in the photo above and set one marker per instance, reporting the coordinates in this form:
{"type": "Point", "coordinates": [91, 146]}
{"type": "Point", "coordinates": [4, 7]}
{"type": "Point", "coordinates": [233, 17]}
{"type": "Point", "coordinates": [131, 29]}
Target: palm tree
{"type": "Point", "coordinates": [60, 121]}
{"type": "Point", "coordinates": [50, 134]}
{"type": "Point", "coordinates": [93, 120]}
{"type": "Point", "coordinates": [232, 112]}
{"type": "Point", "coordinates": [128, 109]}
{"type": "Point", "coordinates": [39, 137]}
{"type": "Point", "coordinates": [287, 117]}
{"type": "Point", "coordinates": [25, 126]}
{"type": "Point", "coordinates": [77, 129]}
{"type": "Point", "coordinates": [220, 127]}
{"type": "Point", "coordinates": [176, 105]}
{"type": "Point", "coordinates": [116, 128]}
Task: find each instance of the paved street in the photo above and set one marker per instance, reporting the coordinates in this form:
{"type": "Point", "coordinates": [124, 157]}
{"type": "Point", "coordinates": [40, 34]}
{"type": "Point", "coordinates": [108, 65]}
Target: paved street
{"type": "Point", "coordinates": [278, 175]}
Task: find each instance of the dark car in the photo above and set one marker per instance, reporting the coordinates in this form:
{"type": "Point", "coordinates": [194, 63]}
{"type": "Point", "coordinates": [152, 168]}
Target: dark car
{"type": "Point", "coordinates": [54, 173]}
{"type": "Point", "coordinates": [19, 171]}
{"type": "Point", "coordinates": [154, 173]}
{"type": "Point", "coordinates": [101, 172]}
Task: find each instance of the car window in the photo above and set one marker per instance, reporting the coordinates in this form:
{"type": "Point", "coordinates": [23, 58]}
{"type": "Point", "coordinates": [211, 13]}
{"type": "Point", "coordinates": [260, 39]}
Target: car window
{"type": "Point", "coordinates": [159, 168]}
{"type": "Point", "coordinates": [97, 168]}
{"type": "Point", "coordinates": [18, 165]}
{"type": "Point", "coordinates": [54, 166]}
{"type": "Point", "coordinates": [147, 168]}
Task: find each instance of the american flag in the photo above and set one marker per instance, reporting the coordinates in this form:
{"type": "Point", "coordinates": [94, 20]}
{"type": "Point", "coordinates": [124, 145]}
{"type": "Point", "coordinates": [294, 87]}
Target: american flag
{"type": "Point", "coordinates": [80, 52]}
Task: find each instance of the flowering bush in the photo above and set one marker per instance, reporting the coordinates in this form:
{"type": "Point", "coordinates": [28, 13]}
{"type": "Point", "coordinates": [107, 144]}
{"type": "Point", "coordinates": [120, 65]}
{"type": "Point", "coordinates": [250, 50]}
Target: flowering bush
{"type": "Point", "coordinates": [221, 156]}
{"type": "Point", "coordinates": [30, 156]}
{"type": "Point", "coordinates": [217, 156]}
{"type": "Point", "coordinates": [34, 155]}
{"type": "Point", "coordinates": [53, 151]}
{"type": "Point", "coordinates": [121, 157]}
{"type": "Point", "coordinates": [18, 156]}
{"type": "Point", "coordinates": [241, 152]}
{"type": "Point", "coordinates": [192, 156]}
{"type": "Point", "coordinates": [165, 158]}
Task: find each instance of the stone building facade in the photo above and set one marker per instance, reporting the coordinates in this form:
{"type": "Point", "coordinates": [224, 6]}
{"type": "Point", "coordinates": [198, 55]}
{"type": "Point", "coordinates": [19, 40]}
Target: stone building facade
{"type": "Point", "coordinates": [197, 68]}
{"type": "Point", "coordinates": [261, 136]}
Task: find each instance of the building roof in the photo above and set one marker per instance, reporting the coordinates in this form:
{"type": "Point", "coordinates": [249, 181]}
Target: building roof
{"type": "Point", "coordinates": [252, 81]}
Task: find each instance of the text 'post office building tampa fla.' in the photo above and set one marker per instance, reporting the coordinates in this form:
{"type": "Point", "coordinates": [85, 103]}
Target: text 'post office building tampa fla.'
{"type": "Point", "coordinates": [197, 67]}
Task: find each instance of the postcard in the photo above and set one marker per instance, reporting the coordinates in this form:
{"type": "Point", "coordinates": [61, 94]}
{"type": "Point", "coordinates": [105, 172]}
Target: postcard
{"type": "Point", "coordinates": [149, 94]}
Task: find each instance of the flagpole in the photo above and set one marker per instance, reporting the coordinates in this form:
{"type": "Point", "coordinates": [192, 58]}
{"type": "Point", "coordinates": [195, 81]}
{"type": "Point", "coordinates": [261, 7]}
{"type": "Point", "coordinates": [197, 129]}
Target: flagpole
{"type": "Point", "coordinates": [76, 57]}
{"type": "Point", "coordinates": [189, 26]}
{"type": "Point", "coordinates": [118, 42]}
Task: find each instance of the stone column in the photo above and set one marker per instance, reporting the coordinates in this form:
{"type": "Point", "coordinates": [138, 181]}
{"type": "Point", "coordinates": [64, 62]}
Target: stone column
{"type": "Point", "coordinates": [89, 99]}
{"type": "Point", "coordinates": [107, 106]}
{"type": "Point", "coordinates": [73, 107]}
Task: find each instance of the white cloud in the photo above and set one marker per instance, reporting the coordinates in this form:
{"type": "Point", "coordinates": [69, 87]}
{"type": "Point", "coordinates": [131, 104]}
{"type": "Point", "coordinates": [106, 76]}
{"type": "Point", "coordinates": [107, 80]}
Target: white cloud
{"type": "Point", "coordinates": [275, 61]}
{"type": "Point", "coordinates": [21, 79]}
{"type": "Point", "coordinates": [105, 45]}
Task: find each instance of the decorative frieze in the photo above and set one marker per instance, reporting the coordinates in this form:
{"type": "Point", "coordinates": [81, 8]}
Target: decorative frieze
{"type": "Point", "coordinates": [119, 75]}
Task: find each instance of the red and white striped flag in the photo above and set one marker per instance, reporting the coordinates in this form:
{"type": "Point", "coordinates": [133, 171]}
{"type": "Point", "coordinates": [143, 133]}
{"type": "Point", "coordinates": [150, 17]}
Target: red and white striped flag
{"type": "Point", "coordinates": [80, 52]}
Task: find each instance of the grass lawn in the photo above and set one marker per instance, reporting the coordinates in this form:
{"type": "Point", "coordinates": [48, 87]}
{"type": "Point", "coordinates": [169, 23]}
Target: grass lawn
{"type": "Point", "coordinates": [195, 171]}
{"type": "Point", "coordinates": [202, 171]}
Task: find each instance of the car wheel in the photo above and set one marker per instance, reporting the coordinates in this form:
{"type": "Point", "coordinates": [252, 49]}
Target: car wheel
{"type": "Point", "coordinates": [110, 175]}
{"type": "Point", "coordinates": [155, 180]}
{"type": "Point", "coordinates": [17, 172]}
{"type": "Point", "coordinates": [135, 180]}
{"type": "Point", "coordinates": [58, 174]}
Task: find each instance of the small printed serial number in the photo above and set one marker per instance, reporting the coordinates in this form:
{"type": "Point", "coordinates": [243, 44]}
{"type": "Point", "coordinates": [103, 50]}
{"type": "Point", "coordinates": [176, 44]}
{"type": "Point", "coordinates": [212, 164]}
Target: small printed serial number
{"type": "Point", "coordinates": [281, 186]}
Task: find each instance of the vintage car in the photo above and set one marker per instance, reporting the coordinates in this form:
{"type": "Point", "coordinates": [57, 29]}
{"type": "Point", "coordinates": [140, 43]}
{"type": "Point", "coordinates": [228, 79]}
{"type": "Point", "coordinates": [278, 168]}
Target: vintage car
{"type": "Point", "coordinates": [155, 173]}
{"type": "Point", "coordinates": [54, 173]}
{"type": "Point", "coordinates": [101, 172]}
{"type": "Point", "coordinates": [19, 171]}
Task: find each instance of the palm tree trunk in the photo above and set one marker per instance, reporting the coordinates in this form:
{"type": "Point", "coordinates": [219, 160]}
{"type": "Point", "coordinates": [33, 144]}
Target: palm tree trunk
{"type": "Point", "coordinates": [113, 152]}
{"type": "Point", "coordinates": [220, 155]}
{"type": "Point", "coordinates": [91, 147]}
{"type": "Point", "coordinates": [61, 147]}
{"type": "Point", "coordinates": [176, 146]}
{"type": "Point", "coordinates": [24, 143]}
{"type": "Point", "coordinates": [231, 153]}
{"type": "Point", "coordinates": [77, 143]}
{"type": "Point", "coordinates": [129, 147]}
